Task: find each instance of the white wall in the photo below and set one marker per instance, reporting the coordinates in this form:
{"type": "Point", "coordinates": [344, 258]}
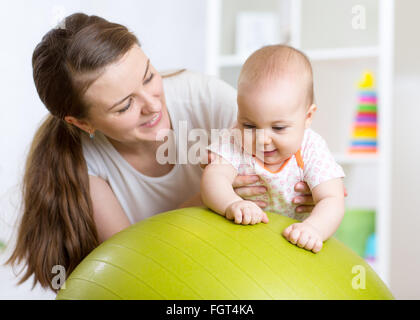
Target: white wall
{"type": "Point", "coordinates": [172, 34]}
{"type": "Point", "coordinates": [405, 241]}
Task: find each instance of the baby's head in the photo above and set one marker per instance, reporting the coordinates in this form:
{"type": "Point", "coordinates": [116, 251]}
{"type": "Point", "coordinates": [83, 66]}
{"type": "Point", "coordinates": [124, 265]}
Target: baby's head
{"type": "Point", "coordinates": [275, 94]}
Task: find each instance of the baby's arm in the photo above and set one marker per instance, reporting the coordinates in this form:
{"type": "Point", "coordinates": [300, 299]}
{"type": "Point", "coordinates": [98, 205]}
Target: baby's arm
{"type": "Point", "coordinates": [324, 219]}
{"type": "Point", "coordinates": [217, 194]}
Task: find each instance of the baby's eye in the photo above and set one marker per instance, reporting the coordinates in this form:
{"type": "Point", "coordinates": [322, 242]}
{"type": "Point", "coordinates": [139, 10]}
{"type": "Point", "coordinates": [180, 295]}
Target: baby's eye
{"type": "Point", "coordinates": [279, 128]}
{"type": "Point", "coordinates": [248, 126]}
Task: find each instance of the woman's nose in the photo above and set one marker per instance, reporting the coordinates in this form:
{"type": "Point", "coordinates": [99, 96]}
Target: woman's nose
{"type": "Point", "coordinates": [150, 105]}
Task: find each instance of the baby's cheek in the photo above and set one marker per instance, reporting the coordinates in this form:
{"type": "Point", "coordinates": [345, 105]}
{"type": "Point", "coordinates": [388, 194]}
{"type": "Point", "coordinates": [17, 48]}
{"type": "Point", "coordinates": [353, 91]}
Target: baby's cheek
{"type": "Point", "coordinates": [249, 143]}
{"type": "Point", "coordinates": [291, 142]}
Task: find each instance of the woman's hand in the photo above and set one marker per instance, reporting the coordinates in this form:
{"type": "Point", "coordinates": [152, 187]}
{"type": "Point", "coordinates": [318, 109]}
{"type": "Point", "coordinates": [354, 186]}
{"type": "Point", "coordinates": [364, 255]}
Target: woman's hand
{"type": "Point", "coordinates": [304, 201]}
{"type": "Point", "coordinates": [241, 186]}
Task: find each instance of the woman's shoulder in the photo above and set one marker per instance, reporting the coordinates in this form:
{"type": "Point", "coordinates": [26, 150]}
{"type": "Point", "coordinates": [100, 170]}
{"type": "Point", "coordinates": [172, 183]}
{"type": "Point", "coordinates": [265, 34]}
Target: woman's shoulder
{"type": "Point", "coordinates": [95, 151]}
{"type": "Point", "coordinates": [185, 81]}
{"type": "Point", "coordinates": [194, 82]}
{"type": "Point", "coordinates": [207, 100]}
{"type": "Point", "coordinates": [177, 75]}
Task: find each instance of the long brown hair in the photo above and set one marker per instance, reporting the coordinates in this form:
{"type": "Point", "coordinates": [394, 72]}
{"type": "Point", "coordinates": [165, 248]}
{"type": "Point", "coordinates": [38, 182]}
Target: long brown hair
{"type": "Point", "coordinates": [57, 225]}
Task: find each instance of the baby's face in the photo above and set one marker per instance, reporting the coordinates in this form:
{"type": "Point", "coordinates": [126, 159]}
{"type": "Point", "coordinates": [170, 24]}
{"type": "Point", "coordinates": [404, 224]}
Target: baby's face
{"type": "Point", "coordinates": [279, 110]}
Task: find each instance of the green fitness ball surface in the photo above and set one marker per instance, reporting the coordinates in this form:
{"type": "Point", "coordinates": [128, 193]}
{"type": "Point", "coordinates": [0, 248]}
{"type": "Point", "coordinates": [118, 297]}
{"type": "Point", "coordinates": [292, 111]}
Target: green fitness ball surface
{"type": "Point", "coordinates": [193, 254]}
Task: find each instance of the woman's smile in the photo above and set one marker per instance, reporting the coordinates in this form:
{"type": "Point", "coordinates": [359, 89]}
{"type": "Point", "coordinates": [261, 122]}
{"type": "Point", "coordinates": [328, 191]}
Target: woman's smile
{"type": "Point", "coordinates": [153, 122]}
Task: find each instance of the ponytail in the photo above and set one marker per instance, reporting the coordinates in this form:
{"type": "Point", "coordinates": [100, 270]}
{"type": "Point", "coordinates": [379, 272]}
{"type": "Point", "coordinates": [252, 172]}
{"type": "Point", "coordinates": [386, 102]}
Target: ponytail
{"type": "Point", "coordinates": [57, 226]}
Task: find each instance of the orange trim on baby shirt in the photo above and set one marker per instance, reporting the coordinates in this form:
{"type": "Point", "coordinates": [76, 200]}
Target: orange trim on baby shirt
{"type": "Point", "coordinates": [278, 170]}
{"type": "Point", "coordinates": [298, 157]}
{"type": "Point", "coordinates": [299, 160]}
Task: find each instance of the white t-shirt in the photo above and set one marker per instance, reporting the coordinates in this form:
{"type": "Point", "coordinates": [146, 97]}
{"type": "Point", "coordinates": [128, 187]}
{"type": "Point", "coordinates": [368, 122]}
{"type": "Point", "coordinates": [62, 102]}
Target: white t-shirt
{"type": "Point", "coordinates": [204, 102]}
{"type": "Point", "coordinates": [313, 163]}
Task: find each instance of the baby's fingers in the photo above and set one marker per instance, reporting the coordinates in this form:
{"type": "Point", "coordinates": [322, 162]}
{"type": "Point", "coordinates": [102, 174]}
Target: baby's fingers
{"type": "Point", "coordinates": [264, 218]}
{"type": "Point", "coordinates": [294, 236]}
{"type": "Point", "coordinates": [317, 247]}
{"type": "Point", "coordinates": [247, 215]}
{"type": "Point", "coordinates": [288, 231]}
{"type": "Point", "coordinates": [237, 216]}
{"type": "Point", "coordinates": [303, 240]}
{"type": "Point", "coordinates": [256, 216]}
{"type": "Point", "coordinates": [310, 244]}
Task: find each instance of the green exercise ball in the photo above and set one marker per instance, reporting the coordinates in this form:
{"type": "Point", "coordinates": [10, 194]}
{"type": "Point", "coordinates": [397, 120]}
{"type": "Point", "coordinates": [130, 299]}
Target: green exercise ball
{"type": "Point", "coordinates": [194, 254]}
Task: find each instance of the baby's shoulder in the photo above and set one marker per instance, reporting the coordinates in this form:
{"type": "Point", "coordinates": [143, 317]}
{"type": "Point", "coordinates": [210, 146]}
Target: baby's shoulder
{"type": "Point", "coordinates": [228, 144]}
{"type": "Point", "coordinates": [312, 139]}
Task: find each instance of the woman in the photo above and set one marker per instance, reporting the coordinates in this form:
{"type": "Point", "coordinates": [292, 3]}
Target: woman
{"type": "Point", "coordinates": [92, 168]}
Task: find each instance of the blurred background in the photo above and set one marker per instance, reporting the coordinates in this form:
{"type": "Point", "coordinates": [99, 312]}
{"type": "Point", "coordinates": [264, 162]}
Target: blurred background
{"type": "Point", "coordinates": [365, 55]}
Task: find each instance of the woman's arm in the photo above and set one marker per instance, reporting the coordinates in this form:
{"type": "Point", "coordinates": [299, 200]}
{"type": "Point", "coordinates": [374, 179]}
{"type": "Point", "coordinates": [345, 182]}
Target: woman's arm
{"type": "Point", "coordinates": [108, 214]}
{"type": "Point", "coordinates": [195, 201]}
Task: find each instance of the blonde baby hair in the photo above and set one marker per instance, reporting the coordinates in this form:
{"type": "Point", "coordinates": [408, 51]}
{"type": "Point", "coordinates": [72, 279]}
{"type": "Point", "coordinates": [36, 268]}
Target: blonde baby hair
{"type": "Point", "coordinates": [275, 62]}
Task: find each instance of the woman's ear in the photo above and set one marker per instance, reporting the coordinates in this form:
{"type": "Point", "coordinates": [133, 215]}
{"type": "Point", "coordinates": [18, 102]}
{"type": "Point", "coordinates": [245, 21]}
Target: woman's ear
{"type": "Point", "coordinates": [81, 124]}
{"type": "Point", "coordinates": [310, 115]}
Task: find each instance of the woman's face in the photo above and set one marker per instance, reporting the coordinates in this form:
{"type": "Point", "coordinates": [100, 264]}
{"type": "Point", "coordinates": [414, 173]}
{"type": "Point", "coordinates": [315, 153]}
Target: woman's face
{"type": "Point", "coordinates": [127, 101]}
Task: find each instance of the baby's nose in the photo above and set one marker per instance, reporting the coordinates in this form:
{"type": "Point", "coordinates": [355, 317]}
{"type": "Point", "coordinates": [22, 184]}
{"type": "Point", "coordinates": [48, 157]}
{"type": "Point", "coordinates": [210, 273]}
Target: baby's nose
{"type": "Point", "coordinates": [263, 138]}
{"type": "Point", "coordinates": [267, 139]}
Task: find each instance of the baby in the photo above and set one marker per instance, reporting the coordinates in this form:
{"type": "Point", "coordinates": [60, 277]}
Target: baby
{"type": "Point", "coordinates": [273, 140]}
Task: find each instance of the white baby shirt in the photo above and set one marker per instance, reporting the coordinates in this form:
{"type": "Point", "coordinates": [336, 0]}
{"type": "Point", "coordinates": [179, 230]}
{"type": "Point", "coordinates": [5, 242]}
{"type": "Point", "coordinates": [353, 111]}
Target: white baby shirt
{"type": "Point", "coordinates": [313, 163]}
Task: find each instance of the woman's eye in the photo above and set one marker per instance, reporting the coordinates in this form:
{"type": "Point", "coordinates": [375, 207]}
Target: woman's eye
{"type": "Point", "coordinates": [126, 107]}
{"type": "Point", "coordinates": [149, 79]}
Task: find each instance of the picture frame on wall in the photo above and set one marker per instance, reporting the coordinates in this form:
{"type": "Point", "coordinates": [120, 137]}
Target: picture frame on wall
{"type": "Point", "coordinates": [257, 29]}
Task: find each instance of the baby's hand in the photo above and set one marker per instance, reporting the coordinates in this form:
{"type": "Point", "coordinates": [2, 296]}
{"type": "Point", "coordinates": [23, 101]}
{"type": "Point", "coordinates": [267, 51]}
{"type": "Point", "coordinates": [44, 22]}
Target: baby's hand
{"type": "Point", "coordinates": [304, 236]}
{"type": "Point", "coordinates": [245, 212]}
